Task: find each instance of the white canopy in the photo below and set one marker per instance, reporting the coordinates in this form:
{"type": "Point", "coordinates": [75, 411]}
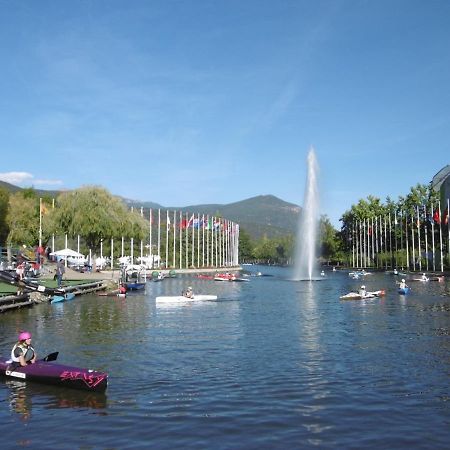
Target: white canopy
{"type": "Point", "coordinates": [67, 252]}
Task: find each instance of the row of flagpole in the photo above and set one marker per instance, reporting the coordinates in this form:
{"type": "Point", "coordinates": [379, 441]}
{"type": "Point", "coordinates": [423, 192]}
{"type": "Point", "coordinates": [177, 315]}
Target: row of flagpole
{"type": "Point", "coordinates": [372, 237]}
{"type": "Point", "coordinates": [213, 241]}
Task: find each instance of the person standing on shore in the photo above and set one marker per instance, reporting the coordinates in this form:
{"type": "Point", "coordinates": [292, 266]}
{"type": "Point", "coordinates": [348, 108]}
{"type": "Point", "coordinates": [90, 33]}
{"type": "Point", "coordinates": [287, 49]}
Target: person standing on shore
{"type": "Point", "coordinates": [60, 270]}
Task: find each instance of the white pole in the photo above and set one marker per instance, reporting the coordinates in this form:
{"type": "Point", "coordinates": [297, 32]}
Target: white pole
{"type": "Point", "coordinates": [159, 238]}
{"type": "Point", "coordinates": [432, 238]}
{"type": "Point", "coordinates": [167, 237]}
{"type": "Point", "coordinates": [112, 253]}
{"type": "Point", "coordinates": [40, 222]}
{"type": "Point", "coordinates": [440, 238]}
{"type": "Point", "coordinates": [174, 239]}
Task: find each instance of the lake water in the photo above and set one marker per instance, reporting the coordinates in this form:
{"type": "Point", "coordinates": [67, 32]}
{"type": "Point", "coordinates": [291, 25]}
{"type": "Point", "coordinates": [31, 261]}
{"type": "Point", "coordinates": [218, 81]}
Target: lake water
{"type": "Point", "coordinates": [272, 364]}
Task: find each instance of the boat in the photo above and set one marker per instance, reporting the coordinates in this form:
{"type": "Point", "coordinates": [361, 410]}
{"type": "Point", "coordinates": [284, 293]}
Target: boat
{"type": "Point", "coordinates": [134, 286]}
{"type": "Point", "coordinates": [62, 298]}
{"type": "Point", "coordinates": [404, 291]}
{"type": "Point", "coordinates": [440, 279]}
{"type": "Point", "coordinates": [379, 293]}
{"type": "Point", "coordinates": [228, 277]}
{"type": "Point", "coordinates": [112, 294]}
{"type": "Point", "coordinates": [356, 296]}
{"type": "Point", "coordinates": [182, 298]}
{"type": "Point", "coordinates": [205, 277]}
{"type": "Point", "coordinates": [45, 371]}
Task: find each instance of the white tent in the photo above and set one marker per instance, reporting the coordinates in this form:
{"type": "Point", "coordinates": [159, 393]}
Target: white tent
{"type": "Point", "coordinates": [66, 253]}
{"type": "Point", "coordinates": [70, 255]}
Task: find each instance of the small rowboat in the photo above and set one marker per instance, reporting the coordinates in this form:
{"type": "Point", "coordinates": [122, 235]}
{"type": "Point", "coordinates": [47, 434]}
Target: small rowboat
{"type": "Point", "coordinates": [182, 298]}
{"type": "Point", "coordinates": [62, 298]}
{"type": "Point", "coordinates": [57, 374]}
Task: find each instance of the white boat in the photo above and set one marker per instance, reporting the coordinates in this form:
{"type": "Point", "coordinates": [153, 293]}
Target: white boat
{"type": "Point", "coordinates": [356, 296]}
{"type": "Point", "coordinates": [182, 298]}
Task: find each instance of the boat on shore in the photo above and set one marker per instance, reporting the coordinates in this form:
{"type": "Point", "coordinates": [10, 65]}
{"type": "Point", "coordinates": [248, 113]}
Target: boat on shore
{"type": "Point", "coordinates": [62, 298]}
{"type": "Point", "coordinates": [44, 371]}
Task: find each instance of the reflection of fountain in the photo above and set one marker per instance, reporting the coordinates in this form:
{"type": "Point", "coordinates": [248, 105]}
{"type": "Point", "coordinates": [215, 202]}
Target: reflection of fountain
{"type": "Point", "coordinates": [305, 254]}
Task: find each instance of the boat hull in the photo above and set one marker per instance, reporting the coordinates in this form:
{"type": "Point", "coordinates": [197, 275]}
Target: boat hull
{"type": "Point", "coordinates": [182, 298]}
{"type": "Point", "coordinates": [404, 291]}
{"type": "Point", "coordinates": [57, 374]}
{"type": "Point", "coordinates": [355, 296]}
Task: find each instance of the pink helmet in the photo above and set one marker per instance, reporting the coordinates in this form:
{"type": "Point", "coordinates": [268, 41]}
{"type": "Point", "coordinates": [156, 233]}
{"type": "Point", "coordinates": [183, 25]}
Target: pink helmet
{"type": "Point", "coordinates": [24, 335]}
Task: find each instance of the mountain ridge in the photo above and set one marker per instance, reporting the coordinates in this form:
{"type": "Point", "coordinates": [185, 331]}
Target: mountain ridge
{"type": "Point", "coordinates": [262, 215]}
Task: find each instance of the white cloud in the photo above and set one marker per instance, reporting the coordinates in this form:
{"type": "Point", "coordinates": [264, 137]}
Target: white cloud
{"type": "Point", "coordinates": [20, 178]}
{"type": "Point", "coordinates": [16, 177]}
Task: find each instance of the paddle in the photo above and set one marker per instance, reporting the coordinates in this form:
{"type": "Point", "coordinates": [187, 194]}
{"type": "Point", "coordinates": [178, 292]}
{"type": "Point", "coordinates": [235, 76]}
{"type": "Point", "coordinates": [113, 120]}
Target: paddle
{"type": "Point", "coordinates": [51, 357]}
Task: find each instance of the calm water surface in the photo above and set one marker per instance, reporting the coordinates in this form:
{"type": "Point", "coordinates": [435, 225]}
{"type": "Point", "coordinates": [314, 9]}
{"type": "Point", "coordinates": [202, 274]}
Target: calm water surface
{"type": "Point", "coordinates": [272, 364]}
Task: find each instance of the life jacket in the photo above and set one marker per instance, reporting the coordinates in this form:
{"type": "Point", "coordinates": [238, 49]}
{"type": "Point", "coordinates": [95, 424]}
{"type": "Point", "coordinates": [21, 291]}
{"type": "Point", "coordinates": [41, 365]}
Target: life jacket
{"type": "Point", "coordinates": [25, 349]}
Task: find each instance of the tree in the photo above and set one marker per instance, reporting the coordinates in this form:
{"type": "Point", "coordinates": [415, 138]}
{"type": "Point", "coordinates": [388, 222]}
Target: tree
{"type": "Point", "coordinates": [245, 246]}
{"type": "Point", "coordinates": [4, 206]}
{"type": "Point", "coordinates": [23, 218]}
{"type": "Point", "coordinates": [94, 214]}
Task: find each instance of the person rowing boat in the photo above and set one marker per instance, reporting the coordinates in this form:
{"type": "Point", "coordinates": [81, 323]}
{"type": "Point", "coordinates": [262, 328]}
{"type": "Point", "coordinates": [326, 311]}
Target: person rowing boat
{"type": "Point", "coordinates": [23, 353]}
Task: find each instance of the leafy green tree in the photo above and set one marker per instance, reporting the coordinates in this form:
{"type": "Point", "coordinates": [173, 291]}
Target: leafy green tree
{"type": "Point", "coordinates": [94, 214]}
{"type": "Point", "coordinates": [245, 246]}
{"type": "Point", "coordinates": [4, 207]}
{"type": "Point", "coordinates": [23, 218]}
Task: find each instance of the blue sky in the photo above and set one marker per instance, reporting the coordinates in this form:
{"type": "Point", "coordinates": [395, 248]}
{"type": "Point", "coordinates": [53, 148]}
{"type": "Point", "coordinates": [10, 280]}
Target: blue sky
{"type": "Point", "coordinates": [205, 101]}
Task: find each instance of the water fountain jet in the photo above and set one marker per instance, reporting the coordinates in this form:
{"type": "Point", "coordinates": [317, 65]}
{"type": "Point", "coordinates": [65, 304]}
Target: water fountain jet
{"type": "Point", "coordinates": [305, 254]}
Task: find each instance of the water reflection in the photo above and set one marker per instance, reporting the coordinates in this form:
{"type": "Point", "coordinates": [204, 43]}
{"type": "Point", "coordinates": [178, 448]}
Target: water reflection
{"type": "Point", "coordinates": [23, 397]}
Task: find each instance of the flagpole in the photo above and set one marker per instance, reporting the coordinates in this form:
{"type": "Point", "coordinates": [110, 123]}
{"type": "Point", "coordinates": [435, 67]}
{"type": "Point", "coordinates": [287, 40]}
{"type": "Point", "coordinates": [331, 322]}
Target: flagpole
{"type": "Point", "coordinates": [448, 229]}
{"type": "Point", "coordinates": [390, 241]}
{"type": "Point", "coordinates": [150, 237]}
{"type": "Point", "coordinates": [40, 222]}
{"type": "Point", "coordinates": [413, 246]}
{"type": "Point", "coordinates": [432, 239]}
{"type": "Point", "coordinates": [407, 240]}
{"type": "Point", "coordinates": [440, 238]}
{"type": "Point", "coordinates": [159, 238]}
{"type": "Point", "coordinates": [167, 237]}
{"type": "Point", "coordinates": [53, 235]}
{"type": "Point", "coordinates": [174, 239]}
{"type": "Point", "coordinates": [112, 253]}
{"type": "Point", "coordinates": [418, 238]}
{"type": "Point", "coordinates": [142, 242]}
{"type": "Point", "coordinates": [181, 240]}
{"type": "Point", "coordinates": [426, 235]}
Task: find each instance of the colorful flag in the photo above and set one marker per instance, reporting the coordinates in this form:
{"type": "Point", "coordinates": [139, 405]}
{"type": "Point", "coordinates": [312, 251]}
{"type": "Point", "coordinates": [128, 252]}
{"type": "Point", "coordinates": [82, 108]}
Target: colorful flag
{"type": "Point", "coordinates": [436, 216]}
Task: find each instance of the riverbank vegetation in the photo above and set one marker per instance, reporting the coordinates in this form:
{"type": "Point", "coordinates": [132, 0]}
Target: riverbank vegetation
{"type": "Point", "coordinates": [373, 233]}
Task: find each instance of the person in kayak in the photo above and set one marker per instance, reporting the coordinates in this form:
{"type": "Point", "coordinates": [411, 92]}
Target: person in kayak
{"type": "Point", "coordinates": [189, 292]}
{"type": "Point", "coordinates": [122, 289]}
{"type": "Point", "coordinates": [362, 291]}
{"type": "Point", "coordinates": [22, 352]}
{"type": "Point", "coordinates": [403, 284]}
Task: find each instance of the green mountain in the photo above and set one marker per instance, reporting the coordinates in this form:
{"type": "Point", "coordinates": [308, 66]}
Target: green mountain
{"type": "Point", "coordinates": [264, 215]}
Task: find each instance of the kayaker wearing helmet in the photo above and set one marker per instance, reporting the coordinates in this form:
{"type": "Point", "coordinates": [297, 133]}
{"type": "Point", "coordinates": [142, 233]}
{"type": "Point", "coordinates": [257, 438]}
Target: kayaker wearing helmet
{"type": "Point", "coordinates": [189, 293]}
{"type": "Point", "coordinates": [362, 291]}
{"type": "Point", "coordinates": [22, 352]}
{"type": "Point", "coordinates": [403, 284]}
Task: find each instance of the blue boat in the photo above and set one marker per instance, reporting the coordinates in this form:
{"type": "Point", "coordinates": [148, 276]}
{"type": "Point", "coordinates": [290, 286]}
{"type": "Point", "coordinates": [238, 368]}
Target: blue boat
{"type": "Point", "coordinates": [404, 291]}
{"type": "Point", "coordinates": [62, 298]}
{"type": "Point", "coordinates": [134, 286]}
